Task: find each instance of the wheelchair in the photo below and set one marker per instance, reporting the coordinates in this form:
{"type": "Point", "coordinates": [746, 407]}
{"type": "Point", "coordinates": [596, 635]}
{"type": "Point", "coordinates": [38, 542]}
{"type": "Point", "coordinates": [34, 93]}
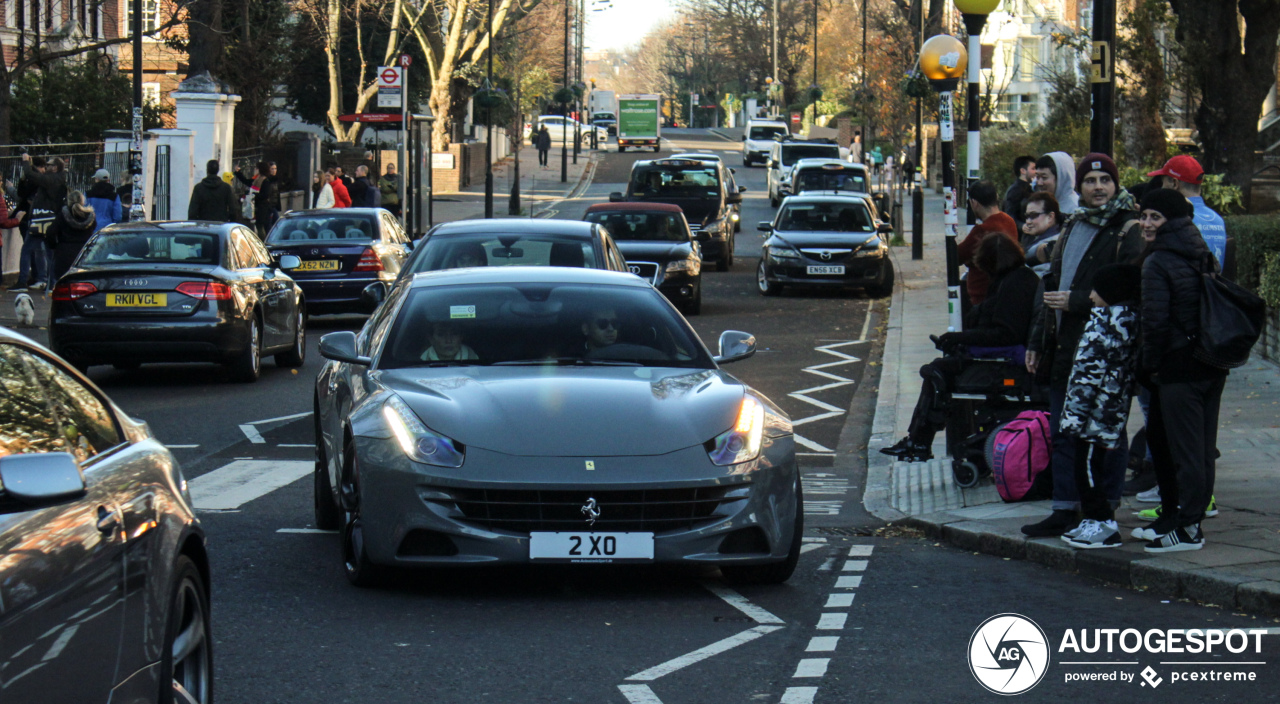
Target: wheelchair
{"type": "Point", "coordinates": [988, 392]}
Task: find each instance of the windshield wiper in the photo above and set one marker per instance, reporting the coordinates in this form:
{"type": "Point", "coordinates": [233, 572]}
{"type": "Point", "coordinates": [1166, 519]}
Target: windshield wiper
{"type": "Point", "coordinates": [450, 363]}
{"type": "Point", "coordinates": [565, 362]}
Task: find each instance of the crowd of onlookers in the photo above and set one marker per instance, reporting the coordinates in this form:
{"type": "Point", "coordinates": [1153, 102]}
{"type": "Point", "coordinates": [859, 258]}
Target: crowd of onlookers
{"type": "Point", "coordinates": [1097, 289]}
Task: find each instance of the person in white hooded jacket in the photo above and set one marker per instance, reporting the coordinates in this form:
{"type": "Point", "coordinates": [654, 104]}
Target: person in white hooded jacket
{"type": "Point", "coordinates": [325, 198]}
{"type": "Point", "coordinates": [1055, 175]}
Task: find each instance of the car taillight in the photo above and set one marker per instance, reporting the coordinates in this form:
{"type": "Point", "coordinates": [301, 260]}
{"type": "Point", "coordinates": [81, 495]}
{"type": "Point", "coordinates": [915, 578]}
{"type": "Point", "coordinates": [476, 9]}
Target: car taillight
{"type": "Point", "coordinates": [369, 261]}
{"type": "Point", "coordinates": [72, 291]}
{"type": "Point", "coordinates": [205, 290]}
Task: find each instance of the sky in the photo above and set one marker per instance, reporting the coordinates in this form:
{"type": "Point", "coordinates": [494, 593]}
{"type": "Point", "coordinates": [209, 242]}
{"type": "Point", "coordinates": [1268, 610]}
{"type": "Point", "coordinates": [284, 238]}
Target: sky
{"type": "Point", "coordinates": [625, 23]}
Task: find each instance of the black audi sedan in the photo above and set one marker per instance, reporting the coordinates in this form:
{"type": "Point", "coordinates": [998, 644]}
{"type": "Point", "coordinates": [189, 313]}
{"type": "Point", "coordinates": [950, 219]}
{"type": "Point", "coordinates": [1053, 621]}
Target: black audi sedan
{"type": "Point", "coordinates": [105, 575]}
{"type": "Point", "coordinates": [341, 252]}
{"type": "Point", "coordinates": [655, 239]}
{"type": "Point", "coordinates": [179, 292]}
{"type": "Point", "coordinates": [830, 241]}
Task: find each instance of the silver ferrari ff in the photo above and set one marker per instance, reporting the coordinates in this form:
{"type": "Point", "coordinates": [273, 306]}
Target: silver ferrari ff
{"type": "Point", "coordinates": [540, 415]}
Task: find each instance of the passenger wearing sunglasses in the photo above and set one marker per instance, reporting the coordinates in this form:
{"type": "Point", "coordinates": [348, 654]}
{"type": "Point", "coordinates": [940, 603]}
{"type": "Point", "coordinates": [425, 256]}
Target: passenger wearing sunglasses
{"type": "Point", "coordinates": [1040, 230]}
{"type": "Point", "coordinates": [601, 328]}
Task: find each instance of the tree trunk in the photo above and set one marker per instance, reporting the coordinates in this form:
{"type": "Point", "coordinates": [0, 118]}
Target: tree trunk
{"type": "Point", "coordinates": [1145, 87]}
{"type": "Point", "coordinates": [6, 111]}
{"type": "Point", "coordinates": [441, 102]}
{"type": "Point", "coordinates": [1233, 83]}
{"type": "Point", "coordinates": [204, 27]}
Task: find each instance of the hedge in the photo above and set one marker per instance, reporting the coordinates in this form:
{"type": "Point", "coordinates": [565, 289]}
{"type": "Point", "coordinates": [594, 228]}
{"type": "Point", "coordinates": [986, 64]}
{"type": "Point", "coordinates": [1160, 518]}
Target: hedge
{"type": "Point", "coordinates": [1257, 240]}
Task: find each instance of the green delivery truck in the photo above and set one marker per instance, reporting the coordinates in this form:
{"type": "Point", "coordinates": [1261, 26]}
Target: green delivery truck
{"type": "Point", "coordinates": [639, 121]}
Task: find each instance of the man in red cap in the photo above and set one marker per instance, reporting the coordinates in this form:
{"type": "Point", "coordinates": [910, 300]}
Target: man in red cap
{"type": "Point", "coordinates": [1183, 174]}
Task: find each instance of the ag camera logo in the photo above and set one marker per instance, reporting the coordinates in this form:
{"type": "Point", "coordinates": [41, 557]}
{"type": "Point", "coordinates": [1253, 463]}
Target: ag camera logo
{"type": "Point", "coordinates": [1008, 654]}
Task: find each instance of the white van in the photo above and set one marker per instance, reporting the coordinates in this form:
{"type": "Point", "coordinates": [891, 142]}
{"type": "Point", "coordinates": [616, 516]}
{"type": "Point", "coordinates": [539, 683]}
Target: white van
{"type": "Point", "coordinates": [757, 137]}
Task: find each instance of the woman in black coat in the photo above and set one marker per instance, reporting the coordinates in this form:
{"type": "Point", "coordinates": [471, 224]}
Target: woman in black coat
{"type": "Point", "coordinates": [71, 229]}
{"type": "Point", "coordinates": [1186, 393]}
{"type": "Point", "coordinates": [1001, 321]}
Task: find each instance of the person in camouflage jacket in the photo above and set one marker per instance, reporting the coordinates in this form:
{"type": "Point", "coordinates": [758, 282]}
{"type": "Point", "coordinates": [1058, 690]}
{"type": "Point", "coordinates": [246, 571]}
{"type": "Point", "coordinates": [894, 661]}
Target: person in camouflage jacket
{"type": "Point", "coordinates": [1100, 390]}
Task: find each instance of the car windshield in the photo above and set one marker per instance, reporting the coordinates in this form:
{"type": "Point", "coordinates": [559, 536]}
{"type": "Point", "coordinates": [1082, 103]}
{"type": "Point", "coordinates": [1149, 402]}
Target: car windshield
{"type": "Point", "coordinates": [603, 116]}
{"type": "Point", "coordinates": [152, 248]}
{"type": "Point", "coordinates": [825, 217]}
{"type": "Point", "coordinates": [696, 180]}
{"type": "Point", "coordinates": [494, 249]}
{"type": "Point", "coordinates": [823, 179]}
{"type": "Point", "coordinates": [766, 131]}
{"type": "Point", "coordinates": [626, 226]}
{"type": "Point", "coordinates": [306, 228]}
{"type": "Point", "coordinates": [540, 324]}
{"type": "Point", "coordinates": [791, 153]}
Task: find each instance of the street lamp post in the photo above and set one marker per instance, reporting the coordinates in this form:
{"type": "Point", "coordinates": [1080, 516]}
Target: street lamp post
{"type": "Point", "coordinates": [488, 118]}
{"type": "Point", "coordinates": [975, 14]}
{"type": "Point", "coordinates": [942, 61]}
{"type": "Point", "coordinates": [1101, 80]}
{"type": "Point", "coordinates": [564, 126]}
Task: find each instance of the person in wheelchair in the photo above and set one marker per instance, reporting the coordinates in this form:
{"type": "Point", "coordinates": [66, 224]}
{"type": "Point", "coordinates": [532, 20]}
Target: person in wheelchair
{"type": "Point", "coordinates": [997, 327]}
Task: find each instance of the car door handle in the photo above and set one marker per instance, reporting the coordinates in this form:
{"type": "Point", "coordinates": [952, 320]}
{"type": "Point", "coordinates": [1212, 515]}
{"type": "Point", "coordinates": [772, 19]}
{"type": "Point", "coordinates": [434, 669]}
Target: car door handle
{"type": "Point", "coordinates": [108, 521]}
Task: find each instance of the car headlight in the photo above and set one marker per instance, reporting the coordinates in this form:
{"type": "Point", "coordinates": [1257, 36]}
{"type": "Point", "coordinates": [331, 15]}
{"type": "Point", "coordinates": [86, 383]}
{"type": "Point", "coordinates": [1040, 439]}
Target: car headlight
{"type": "Point", "coordinates": [417, 441]}
{"type": "Point", "coordinates": [741, 443]}
{"type": "Point", "coordinates": [735, 217]}
{"type": "Point", "coordinates": [683, 265]}
{"type": "Point", "coordinates": [783, 253]}
{"type": "Point", "coordinates": [870, 248]}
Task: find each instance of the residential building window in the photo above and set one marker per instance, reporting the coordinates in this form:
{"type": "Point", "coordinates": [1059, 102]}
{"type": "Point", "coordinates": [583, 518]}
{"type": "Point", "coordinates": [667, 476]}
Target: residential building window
{"type": "Point", "coordinates": [150, 16]}
{"type": "Point", "coordinates": [1029, 59]}
{"type": "Point", "coordinates": [150, 93]}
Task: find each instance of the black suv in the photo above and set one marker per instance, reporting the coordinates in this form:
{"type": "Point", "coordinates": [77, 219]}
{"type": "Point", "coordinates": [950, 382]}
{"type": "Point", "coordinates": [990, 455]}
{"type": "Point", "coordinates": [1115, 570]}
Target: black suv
{"type": "Point", "coordinates": [701, 189]}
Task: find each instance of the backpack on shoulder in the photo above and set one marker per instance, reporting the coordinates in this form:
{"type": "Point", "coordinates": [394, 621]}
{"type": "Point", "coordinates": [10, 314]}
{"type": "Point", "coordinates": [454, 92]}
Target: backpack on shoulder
{"type": "Point", "coordinates": [1231, 320]}
{"type": "Point", "coordinates": [1018, 453]}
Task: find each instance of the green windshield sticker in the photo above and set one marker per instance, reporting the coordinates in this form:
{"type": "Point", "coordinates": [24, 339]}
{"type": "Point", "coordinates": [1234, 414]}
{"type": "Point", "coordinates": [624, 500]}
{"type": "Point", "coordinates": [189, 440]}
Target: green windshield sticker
{"type": "Point", "coordinates": [462, 311]}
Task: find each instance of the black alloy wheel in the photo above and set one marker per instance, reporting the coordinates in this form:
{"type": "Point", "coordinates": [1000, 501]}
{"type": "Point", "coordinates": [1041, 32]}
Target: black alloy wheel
{"type": "Point", "coordinates": [355, 560]}
{"type": "Point", "coordinates": [885, 287]}
{"type": "Point", "coordinates": [328, 515]}
{"type": "Point", "coordinates": [186, 664]}
{"type": "Point", "coordinates": [248, 364]}
{"type": "Point", "coordinates": [297, 355]}
{"type": "Point", "coordinates": [767, 287]}
{"type": "Point", "coordinates": [694, 305]}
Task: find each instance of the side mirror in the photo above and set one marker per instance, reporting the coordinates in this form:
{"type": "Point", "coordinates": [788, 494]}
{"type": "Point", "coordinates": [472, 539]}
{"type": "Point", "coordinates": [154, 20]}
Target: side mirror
{"type": "Point", "coordinates": [735, 346]}
{"type": "Point", "coordinates": [764, 226]}
{"type": "Point", "coordinates": [733, 171]}
{"type": "Point", "coordinates": [742, 189]}
{"type": "Point", "coordinates": [703, 235]}
{"type": "Point", "coordinates": [885, 228]}
{"type": "Point", "coordinates": [733, 198]}
{"type": "Point", "coordinates": [290, 261]}
{"type": "Point", "coordinates": [373, 295]}
{"type": "Point", "coordinates": [615, 197]}
{"type": "Point", "coordinates": [768, 163]}
{"type": "Point", "coordinates": [341, 347]}
{"type": "Point", "coordinates": [42, 478]}
{"type": "Point", "coordinates": [744, 137]}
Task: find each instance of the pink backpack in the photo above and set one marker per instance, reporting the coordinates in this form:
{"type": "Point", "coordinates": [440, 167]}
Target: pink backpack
{"type": "Point", "coordinates": [1017, 452]}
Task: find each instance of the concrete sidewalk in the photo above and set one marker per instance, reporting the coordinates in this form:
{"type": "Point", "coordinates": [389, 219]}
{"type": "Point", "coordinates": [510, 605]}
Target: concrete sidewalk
{"type": "Point", "coordinates": [1239, 565]}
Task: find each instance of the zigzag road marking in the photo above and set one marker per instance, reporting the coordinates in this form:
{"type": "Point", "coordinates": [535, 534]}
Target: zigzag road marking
{"type": "Point", "coordinates": [829, 411]}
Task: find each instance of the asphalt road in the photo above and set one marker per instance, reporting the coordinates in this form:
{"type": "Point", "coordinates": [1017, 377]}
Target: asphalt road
{"type": "Point", "coordinates": [288, 628]}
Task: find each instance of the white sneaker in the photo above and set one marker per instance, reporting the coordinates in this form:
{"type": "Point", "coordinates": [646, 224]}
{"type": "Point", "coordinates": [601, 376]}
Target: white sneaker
{"type": "Point", "coordinates": [1150, 496]}
{"type": "Point", "coordinates": [1102, 534]}
{"type": "Point", "coordinates": [1085, 526]}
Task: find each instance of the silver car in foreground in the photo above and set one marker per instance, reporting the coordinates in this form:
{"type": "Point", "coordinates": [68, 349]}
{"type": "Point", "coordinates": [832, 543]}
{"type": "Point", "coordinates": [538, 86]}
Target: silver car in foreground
{"type": "Point", "coordinates": [533, 414]}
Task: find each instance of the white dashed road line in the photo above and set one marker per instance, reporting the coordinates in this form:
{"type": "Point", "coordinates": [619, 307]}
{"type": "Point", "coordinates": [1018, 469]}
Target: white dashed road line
{"type": "Point", "coordinates": [250, 430]}
{"type": "Point", "coordinates": [702, 653]}
{"type": "Point", "coordinates": [242, 481]}
{"type": "Point", "coordinates": [739, 602]}
{"type": "Point", "coordinates": [816, 668]}
{"type": "Point", "coordinates": [829, 411]}
{"type": "Point", "coordinates": [799, 695]}
{"type": "Point", "coordinates": [812, 667]}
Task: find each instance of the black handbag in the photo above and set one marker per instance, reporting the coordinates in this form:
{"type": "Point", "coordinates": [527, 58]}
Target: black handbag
{"type": "Point", "coordinates": [1231, 320]}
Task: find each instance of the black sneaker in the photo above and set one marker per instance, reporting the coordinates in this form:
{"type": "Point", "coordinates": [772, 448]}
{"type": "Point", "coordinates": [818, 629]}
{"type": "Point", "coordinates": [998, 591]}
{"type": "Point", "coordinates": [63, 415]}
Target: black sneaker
{"type": "Point", "coordinates": [1143, 479]}
{"type": "Point", "coordinates": [1178, 540]}
{"type": "Point", "coordinates": [1155, 529]}
{"type": "Point", "coordinates": [1058, 522]}
{"type": "Point", "coordinates": [908, 450]}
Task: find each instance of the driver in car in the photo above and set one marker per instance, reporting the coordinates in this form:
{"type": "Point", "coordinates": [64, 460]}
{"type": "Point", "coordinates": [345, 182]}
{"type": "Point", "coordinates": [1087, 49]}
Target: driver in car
{"type": "Point", "coordinates": [601, 328]}
{"type": "Point", "coordinates": [468, 254]}
{"type": "Point", "coordinates": [446, 344]}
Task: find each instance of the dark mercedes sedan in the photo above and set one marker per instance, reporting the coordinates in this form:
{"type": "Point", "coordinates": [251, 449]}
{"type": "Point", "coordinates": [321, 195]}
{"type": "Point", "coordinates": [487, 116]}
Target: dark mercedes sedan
{"type": "Point", "coordinates": [545, 415]}
{"type": "Point", "coordinates": [341, 252]}
{"type": "Point", "coordinates": [105, 578]}
{"type": "Point", "coordinates": [179, 292]}
{"type": "Point", "coordinates": [825, 240]}
{"type": "Point", "coordinates": [655, 239]}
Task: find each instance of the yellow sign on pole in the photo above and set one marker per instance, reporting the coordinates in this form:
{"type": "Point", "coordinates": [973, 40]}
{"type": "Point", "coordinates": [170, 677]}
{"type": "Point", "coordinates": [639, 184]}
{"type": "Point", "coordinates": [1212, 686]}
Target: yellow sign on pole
{"type": "Point", "coordinates": [1102, 61]}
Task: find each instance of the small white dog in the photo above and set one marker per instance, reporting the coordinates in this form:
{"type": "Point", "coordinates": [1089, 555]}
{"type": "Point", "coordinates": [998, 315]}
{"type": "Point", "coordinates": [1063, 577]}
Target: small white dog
{"type": "Point", "coordinates": [25, 310]}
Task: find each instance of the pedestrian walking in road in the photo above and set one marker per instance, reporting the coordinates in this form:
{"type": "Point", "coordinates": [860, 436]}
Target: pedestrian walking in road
{"type": "Point", "coordinates": [212, 199]}
{"type": "Point", "coordinates": [324, 199]}
{"type": "Point", "coordinates": [1099, 392]}
{"type": "Point", "coordinates": [1015, 197]}
{"type": "Point", "coordinates": [543, 144]}
{"type": "Point", "coordinates": [71, 229]}
{"type": "Point", "coordinates": [47, 191]}
{"type": "Point", "coordinates": [855, 148]}
{"type": "Point", "coordinates": [1001, 321]}
{"type": "Point", "coordinates": [1184, 174]}
{"type": "Point", "coordinates": [341, 196]}
{"type": "Point", "coordinates": [389, 186]}
{"type": "Point", "coordinates": [1053, 176]}
{"type": "Point", "coordinates": [104, 200]}
{"type": "Point", "coordinates": [1103, 231]}
{"type": "Point", "coordinates": [1186, 394]}
{"type": "Point", "coordinates": [982, 200]}
{"type": "Point", "coordinates": [1040, 230]}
